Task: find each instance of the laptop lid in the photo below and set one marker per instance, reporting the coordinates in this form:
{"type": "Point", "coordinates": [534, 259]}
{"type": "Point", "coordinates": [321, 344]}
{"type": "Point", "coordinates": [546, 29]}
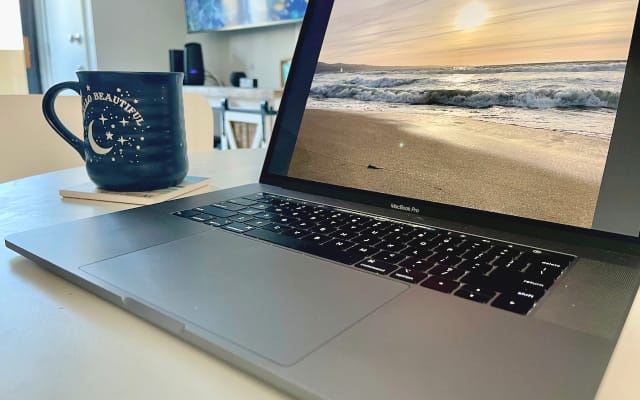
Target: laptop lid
{"type": "Point", "coordinates": [515, 113]}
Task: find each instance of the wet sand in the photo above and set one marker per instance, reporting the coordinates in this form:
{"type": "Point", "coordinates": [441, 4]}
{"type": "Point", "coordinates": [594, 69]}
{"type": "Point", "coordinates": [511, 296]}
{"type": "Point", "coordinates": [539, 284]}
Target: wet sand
{"type": "Point", "coordinates": [526, 172]}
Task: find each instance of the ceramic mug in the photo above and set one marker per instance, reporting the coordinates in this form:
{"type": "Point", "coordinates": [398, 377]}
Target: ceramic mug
{"type": "Point", "coordinates": [134, 136]}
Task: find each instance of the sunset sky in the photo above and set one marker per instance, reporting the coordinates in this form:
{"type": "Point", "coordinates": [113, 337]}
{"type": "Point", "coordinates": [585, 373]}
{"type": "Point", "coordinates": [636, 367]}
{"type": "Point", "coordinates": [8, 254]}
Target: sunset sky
{"type": "Point", "coordinates": [477, 32]}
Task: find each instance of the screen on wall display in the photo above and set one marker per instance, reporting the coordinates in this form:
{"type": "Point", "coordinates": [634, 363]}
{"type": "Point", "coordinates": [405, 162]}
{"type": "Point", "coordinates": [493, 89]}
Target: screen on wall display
{"type": "Point", "coordinates": [237, 14]}
{"type": "Point", "coordinates": [505, 106]}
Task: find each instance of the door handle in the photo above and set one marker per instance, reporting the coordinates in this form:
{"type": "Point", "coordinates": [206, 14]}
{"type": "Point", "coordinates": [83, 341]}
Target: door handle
{"type": "Point", "coordinates": [75, 38]}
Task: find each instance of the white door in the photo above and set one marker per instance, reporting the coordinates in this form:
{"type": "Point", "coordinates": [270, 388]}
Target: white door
{"type": "Point", "coordinates": [66, 39]}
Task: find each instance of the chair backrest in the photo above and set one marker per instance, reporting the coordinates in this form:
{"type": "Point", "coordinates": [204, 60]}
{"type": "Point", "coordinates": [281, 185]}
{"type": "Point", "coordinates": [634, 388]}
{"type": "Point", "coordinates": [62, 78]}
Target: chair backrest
{"type": "Point", "coordinates": [29, 145]}
{"type": "Point", "coordinates": [198, 122]}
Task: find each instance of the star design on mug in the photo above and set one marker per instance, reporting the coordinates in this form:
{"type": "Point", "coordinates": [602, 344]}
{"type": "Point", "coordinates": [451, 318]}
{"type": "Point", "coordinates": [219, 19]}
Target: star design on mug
{"type": "Point", "coordinates": [109, 136]}
{"type": "Point", "coordinates": [124, 122]}
{"type": "Point", "coordinates": [102, 118]}
{"type": "Point", "coordinates": [122, 140]}
{"type": "Point", "coordinates": [88, 88]}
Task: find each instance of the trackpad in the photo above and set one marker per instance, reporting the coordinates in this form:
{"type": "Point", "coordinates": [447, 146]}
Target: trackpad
{"type": "Point", "coordinates": [274, 302]}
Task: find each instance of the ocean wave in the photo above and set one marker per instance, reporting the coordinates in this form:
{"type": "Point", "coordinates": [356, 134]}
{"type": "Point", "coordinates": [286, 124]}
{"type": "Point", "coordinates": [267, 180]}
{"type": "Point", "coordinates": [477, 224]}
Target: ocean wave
{"type": "Point", "coordinates": [532, 68]}
{"type": "Point", "coordinates": [562, 98]}
{"type": "Point", "coordinates": [382, 82]}
{"type": "Point", "coordinates": [570, 67]}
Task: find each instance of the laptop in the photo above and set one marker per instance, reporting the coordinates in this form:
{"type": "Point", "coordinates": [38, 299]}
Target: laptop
{"type": "Point", "coordinates": [448, 209]}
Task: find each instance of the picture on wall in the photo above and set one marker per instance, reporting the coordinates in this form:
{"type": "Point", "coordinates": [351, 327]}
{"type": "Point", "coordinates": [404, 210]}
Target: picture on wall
{"type": "Point", "coordinates": [205, 15]}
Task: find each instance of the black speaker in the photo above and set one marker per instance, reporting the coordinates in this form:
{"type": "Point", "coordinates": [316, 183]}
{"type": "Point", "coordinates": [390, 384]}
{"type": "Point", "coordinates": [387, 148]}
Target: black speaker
{"type": "Point", "coordinates": [176, 60]}
{"type": "Point", "coordinates": [193, 65]}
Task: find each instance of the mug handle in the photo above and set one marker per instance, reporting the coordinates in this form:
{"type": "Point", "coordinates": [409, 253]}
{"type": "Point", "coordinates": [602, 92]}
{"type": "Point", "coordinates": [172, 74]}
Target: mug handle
{"type": "Point", "coordinates": [50, 115]}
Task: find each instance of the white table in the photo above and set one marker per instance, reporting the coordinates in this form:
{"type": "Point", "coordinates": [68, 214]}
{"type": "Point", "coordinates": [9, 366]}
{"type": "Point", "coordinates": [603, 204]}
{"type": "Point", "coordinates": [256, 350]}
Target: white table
{"type": "Point", "coordinates": [58, 341]}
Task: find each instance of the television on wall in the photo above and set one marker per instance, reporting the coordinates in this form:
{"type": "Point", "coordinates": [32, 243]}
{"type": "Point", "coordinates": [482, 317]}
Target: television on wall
{"type": "Point", "coordinates": [221, 15]}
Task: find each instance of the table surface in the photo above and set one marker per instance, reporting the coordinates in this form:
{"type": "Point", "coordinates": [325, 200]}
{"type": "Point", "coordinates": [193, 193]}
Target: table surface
{"type": "Point", "coordinates": [58, 341]}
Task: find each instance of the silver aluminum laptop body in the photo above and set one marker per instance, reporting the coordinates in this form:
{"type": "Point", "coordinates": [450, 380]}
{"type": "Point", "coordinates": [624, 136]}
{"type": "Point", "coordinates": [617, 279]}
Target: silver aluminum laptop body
{"type": "Point", "coordinates": [320, 329]}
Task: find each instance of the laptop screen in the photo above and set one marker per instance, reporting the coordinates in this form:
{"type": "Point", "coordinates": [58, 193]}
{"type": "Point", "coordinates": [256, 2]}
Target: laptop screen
{"type": "Point", "coordinates": [495, 105]}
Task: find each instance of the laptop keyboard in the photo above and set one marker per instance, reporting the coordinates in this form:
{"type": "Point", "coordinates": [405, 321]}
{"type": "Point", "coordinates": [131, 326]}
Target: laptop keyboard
{"type": "Point", "coordinates": [508, 276]}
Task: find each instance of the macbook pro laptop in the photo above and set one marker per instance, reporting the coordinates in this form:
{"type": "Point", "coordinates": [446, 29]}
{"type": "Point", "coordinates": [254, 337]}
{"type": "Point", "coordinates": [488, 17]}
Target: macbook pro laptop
{"type": "Point", "coordinates": [449, 209]}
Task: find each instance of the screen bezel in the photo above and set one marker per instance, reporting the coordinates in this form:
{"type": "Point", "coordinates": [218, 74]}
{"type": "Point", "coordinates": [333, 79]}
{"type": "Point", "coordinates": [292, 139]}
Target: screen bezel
{"type": "Point", "coordinates": [290, 115]}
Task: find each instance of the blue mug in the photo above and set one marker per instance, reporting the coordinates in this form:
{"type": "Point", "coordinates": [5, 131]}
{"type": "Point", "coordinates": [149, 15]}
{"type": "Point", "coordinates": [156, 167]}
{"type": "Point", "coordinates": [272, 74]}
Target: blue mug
{"type": "Point", "coordinates": [134, 136]}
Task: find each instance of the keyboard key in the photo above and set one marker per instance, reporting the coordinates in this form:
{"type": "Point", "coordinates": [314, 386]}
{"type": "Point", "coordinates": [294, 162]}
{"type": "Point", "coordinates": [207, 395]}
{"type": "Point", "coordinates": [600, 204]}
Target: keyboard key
{"type": "Point", "coordinates": [425, 234]}
{"type": "Point", "coordinates": [409, 275]}
{"type": "Point", "coordinates": [241, 218]}
{"type": "Point", "coordinates": [477, 294]}
{"type": "Point", "coordinates": [298, 233]}
{"type": "Point", "coordinates": [377, 266]}
{"type": "Point", "coordinates": [445, 248]}
{"type": "Point", "coordinates": [255, 196]}
{"type": "Point", "coordinates": [266, 215]}
{"type": "Point", "coordinates": [445, 259]}
{"type": "Point", "coordinates": [325, 230]}
{"type": "Point", "coordinates": [380, 225]}
{"type": "Point", "coordinates": [417, 252]}
{"type": "Point", "coordinates": [477, 279]}
{"type": "Point", "coordinates": [186, 213]}
{"type": "Point", "coordinates": [374, 232]}
{"type": "Point", "coordinates": [390, 247]}
{"type": "Point", "coordinates": [543, 274]}
{"type": "Point", "coordinates": [229, 206]}
{"type": "Point", "coordinates": [513, 303]}
{"type": "Point", "coordinates": [238, 227]}
{"type": "Point", "coordinates": [257, 222]}
{"type": "Point", "coordinates": [389, 257]}
{"type": "Point", "coordinates": [358, 220]}
{"type": "Point", "coordinates": [315, 219]}
{"type": "Point", "coordinates": [275, 228]}
{"type": "Point", "coordinates": [319, 239]}
{"type": "Point", "coordinates": [450, 241]}
{"type": "Point", "coordinates": [420, 243]}
{"type": "Point", "coordinates": [362, 250]}
{"type": "Point", "coordinates": [219, 221]}
{"type": "Point", "coordinates": [529, 292]}
{"type": "Point", "coordinates": [403, 229]}
{"type": "Point", "coordinates": [243, 202]}
{"type": "Point", "coordinates": [284, 220]}
{"type": "Point", "coordinates": [250, 211]}
{"type": "Point", "coordinates": [536, 256]}
{"type": "Point", "coordinates": [440, 284]}
{"type": "Point", "coordinates": [416, 264]}
{"type": "Point", "coordinates": [480, 258]}
{"type": "Point", "coordinates": [304, 225]}
{"type": "Point", "coordinates": [469, 265]}
{"type": "Point", "coordinates": [509, 263]}
{"type": "Point", "coordinates": [446, 272]}
{"type": "Point", "coordinates": [367, 241]}
{"type": "Point", "coordinates": [504, 279]}
{"type": "Point", "coordinates": [201, 217]}
{"type": "Point", "coordinates": [216, 211]}
{"type": "Point", "coordinates": [339, 245]}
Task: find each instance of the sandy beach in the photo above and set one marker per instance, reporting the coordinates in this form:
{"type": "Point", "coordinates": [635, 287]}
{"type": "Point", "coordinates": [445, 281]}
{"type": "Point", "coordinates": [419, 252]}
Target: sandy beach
{"type": "Point", "coordinates": [526, 172]}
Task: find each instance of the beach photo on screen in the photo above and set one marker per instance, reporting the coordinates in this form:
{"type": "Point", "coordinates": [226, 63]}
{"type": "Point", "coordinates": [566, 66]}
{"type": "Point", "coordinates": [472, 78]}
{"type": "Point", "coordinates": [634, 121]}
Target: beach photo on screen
{"type": "Point", "coordinates": [504, 106]}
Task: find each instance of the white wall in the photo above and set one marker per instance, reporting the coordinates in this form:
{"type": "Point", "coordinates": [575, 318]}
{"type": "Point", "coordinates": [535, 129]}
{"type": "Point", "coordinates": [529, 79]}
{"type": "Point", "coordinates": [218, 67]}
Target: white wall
{"type": "Point", "coordinates": [137, 35]}
{"type": "Point", "coordinates": [258, 52]}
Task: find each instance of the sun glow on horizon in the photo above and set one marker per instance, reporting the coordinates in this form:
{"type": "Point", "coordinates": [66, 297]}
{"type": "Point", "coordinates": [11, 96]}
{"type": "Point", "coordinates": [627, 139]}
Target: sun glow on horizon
{"type": "Point", "coordinates": [472, 16]}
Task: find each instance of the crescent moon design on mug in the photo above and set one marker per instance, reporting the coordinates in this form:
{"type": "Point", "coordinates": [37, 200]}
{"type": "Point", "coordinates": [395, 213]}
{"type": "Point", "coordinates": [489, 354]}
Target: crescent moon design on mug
{"type": "Point", "coordinates": [94, 146]}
